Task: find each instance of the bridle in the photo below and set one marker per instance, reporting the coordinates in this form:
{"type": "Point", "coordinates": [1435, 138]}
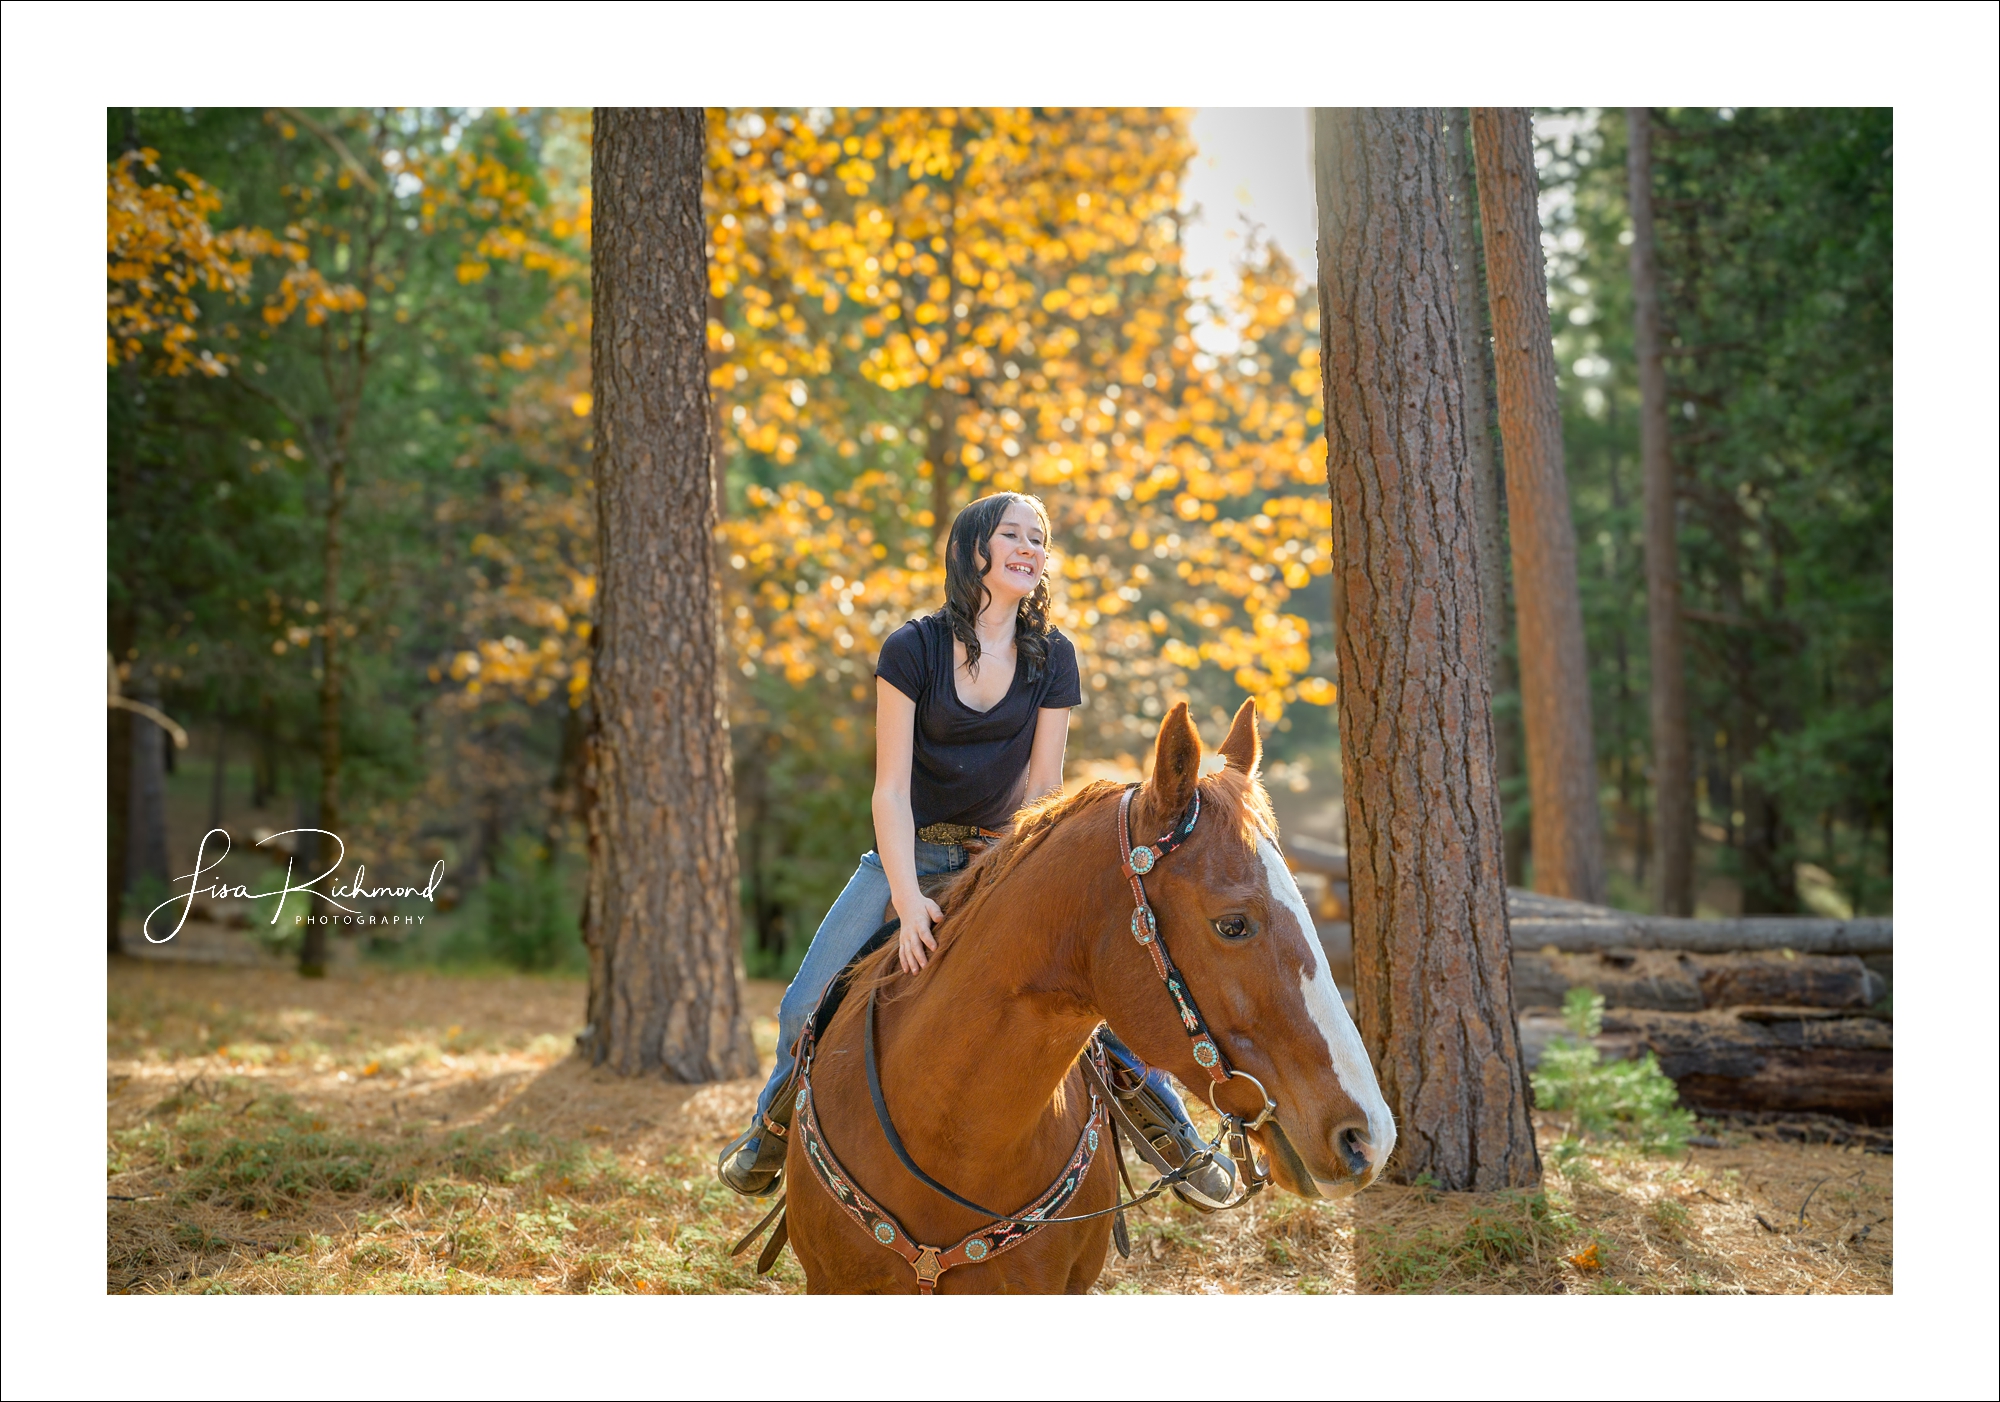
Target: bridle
{"type": "Point", "coordinates": [1208, 1055]}
{"type": "Point", "coordinates": [1007, 1230]}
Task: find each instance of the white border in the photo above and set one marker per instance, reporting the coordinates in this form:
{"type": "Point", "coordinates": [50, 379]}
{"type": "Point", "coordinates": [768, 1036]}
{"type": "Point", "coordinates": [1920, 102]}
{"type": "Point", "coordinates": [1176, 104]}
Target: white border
{"type": "Point", "coordinates": [63, 64]}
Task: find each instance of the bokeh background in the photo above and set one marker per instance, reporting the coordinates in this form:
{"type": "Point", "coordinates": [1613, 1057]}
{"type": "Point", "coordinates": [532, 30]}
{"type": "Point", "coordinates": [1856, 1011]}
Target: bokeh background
{"type": "Point", "coordinates": [1136, 343]}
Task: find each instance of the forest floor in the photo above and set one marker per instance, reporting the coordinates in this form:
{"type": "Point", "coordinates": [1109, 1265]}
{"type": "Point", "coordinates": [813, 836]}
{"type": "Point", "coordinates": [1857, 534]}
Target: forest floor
{"type": "Point", "coordinates": [429, 1133]}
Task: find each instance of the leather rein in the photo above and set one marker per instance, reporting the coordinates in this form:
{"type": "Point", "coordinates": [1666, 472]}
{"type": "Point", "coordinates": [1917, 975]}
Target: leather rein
{"type": "Point", "coordinates": [1008, 1230]}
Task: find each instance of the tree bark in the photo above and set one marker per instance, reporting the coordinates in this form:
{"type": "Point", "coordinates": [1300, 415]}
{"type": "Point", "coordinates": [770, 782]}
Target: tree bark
{"type": "Point", "coordinates": [1431, 967]}
{"type": "Point", "coordinates": [1799, 1060]}
{"type": "Point", "coordinates": [1555, 681]}
{"type": "Point", "coordinates": [941, 447]}
{"type": "Point", "coordinates": [146, 820]}
{"type": "Point", "coordinates": [123, 631]}
{"type": "Point", "coordinates": [661, 913]}
{"type": "Point", "coordinates": [219, 773]}
{"type": "Point", "coordinates": [1673, 766]}
{"type": "Point", "coordinates": [1475, 341]}
{"type": "Point", "coordinates": [312, 953]}
{"type": "Point", "coordinates": [118, 800]}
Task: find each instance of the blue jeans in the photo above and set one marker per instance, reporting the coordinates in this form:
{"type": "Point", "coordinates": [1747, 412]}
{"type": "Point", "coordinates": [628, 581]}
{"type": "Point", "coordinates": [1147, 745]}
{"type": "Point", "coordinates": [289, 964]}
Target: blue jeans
{"type": "Point", "coordinates": [854, 917]}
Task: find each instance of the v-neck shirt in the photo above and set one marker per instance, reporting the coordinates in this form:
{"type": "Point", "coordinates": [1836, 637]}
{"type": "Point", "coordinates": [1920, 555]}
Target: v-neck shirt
{"type": "Point", "coordinates": [969, 766]}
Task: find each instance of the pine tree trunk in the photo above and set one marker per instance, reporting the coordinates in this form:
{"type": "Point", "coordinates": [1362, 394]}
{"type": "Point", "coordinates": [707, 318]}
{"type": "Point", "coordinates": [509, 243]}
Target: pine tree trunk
{"type": "Point", "coordinates": [312, 952]}
{"type": "Point", "coordinates": [1431, 960]}
{"type": "Point", "coordinates": [1673, 764]}
{"type": "Point", "coordinates": [941, 447]}
{"type": "Point", "coordinates": [1474, 335]}
{"type": "Point", "coordinates": [1555, 682]}
{"type": "Point", "coordinates": [118, 800]}
{"type": "Point", "coordinates": [122, 632]}
{"type": "Point", "coordinates": [146, 820]}
{"type": "Point", "coordinates": [661, 914]}
{"type": "Point", "coordinates": [217, 775]}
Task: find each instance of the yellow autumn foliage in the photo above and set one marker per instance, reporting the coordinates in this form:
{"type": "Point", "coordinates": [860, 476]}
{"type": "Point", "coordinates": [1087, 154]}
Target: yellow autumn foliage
{"type": "Point", "coordinates": [915, 306]}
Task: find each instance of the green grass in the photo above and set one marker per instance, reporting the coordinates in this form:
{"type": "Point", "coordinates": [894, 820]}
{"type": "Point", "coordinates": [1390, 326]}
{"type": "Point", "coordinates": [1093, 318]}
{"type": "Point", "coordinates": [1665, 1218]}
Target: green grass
{"type": "Point", "coordinates": [1497, 1231]}
{"type": "Point", "coordinates": [248, 1178]}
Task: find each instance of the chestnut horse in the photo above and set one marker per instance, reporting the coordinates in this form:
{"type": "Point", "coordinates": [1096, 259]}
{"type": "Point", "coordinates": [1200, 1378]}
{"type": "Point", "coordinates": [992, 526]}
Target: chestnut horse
{"type": "Point", "coordinates": [978, 1054]}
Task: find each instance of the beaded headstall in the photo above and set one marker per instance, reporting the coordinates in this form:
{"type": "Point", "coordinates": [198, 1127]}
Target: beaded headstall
{"type": "Point", "coordinates": [1146, 928]}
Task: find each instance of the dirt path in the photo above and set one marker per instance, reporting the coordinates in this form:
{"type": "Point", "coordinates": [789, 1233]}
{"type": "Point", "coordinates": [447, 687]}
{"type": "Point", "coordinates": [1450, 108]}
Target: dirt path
{"type": "Point", "coordinates": [428, 1133]}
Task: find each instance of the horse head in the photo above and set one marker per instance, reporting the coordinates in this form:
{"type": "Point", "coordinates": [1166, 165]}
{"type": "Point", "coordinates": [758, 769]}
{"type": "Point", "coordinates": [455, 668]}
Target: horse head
{"type": "Point", "coordinates": [1233, 920]}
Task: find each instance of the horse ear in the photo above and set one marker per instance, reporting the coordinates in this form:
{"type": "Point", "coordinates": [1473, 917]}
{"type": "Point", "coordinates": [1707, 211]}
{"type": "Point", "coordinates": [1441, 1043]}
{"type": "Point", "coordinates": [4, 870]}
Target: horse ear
{"type": "Point", "coordinates": [1243, 749]}
{"type": "Point", "coordinates": [1176, 764]}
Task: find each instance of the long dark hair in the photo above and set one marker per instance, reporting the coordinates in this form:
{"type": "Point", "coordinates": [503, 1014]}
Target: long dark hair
{"type": "Point", "coordinates": [967, 558]}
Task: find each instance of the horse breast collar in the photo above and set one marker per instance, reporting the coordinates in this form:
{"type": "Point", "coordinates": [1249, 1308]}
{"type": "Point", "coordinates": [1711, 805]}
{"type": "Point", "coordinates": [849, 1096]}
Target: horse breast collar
{"type": "Point", "coordinates": [930, 1262]}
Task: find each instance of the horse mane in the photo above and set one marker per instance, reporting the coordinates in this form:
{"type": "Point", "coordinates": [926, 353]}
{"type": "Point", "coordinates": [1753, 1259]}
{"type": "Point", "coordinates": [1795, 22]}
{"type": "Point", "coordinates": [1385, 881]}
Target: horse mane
{"type": "Point", "coordinates": [1032, 825]}
{"type": "Point", "coordinates": [1226, 790]}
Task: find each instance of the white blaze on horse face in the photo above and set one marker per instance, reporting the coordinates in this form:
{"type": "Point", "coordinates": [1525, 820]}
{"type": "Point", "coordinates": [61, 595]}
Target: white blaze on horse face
{"type": "Point", "coordinates": [1329, 1014]}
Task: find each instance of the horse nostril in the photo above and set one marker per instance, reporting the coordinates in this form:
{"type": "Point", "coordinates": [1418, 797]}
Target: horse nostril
{"type": "Point", "coordinates": [1354, 1146]}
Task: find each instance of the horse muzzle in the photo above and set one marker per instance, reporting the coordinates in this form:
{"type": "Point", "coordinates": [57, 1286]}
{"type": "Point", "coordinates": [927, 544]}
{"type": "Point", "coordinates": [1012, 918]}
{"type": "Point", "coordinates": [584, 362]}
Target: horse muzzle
{"type": "Point", "coordinates": [1356, 1161]}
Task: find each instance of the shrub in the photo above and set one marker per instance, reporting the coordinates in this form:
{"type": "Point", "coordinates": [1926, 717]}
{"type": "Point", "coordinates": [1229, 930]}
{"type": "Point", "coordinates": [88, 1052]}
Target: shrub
{"type": "Point", "coordinates": [1632, 1101]}
{"type": "Point", "coordinates": [530, 919]}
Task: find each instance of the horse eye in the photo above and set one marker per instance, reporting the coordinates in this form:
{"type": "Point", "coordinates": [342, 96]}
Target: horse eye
{"type": "Point", "coordinates": [1233, 927]}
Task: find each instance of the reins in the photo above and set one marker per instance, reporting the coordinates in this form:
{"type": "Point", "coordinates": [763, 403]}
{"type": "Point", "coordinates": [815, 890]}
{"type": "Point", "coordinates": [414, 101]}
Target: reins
{"type": "Point", "coordinates": [1100, 1094]}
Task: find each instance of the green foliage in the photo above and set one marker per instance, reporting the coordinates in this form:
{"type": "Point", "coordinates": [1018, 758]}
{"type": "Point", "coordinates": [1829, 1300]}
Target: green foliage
{"type": "Point", "coordinates": [1774, 236]}
{"type": "Point", "coordinates": [219, 486]}
{"type": "Point", "coordinates": [147, 892]}
{"type": "Point", "coordinates": [1631, 1101]}
{"type": "Point", "coordinates": [531, 920]}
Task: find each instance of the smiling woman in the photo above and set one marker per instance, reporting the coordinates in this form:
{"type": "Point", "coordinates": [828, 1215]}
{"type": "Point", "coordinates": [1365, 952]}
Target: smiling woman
{"type": "Point", "coordinates": [972, 717]}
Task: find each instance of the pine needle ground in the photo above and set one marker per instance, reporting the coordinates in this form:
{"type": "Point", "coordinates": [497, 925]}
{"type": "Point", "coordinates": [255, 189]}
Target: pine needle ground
{"type": "Point", "coordinates": [422, 1133]}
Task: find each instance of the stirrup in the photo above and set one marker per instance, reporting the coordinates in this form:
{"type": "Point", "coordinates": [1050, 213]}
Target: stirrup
{"type": "Point", "coordinates": [1165, 1130]}
{"type": "Point", "coordinates": [760, 1172]}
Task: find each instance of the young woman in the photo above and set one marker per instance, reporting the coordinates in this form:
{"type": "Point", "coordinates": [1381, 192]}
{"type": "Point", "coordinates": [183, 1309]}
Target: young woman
{"type": "Point", "coordinates": [972, 714]}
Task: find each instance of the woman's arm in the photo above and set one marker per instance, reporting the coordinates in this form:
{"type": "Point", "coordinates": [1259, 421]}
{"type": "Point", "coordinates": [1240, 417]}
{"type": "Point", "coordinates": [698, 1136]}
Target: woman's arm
{"type": "Point", "coordinates": [896, 827]}
{"type": "Point", "coordinates": [1045, 760]}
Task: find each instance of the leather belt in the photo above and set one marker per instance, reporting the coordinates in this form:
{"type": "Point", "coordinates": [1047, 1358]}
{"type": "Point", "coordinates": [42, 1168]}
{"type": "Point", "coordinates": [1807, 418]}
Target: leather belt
{"type": "Point", "coordinates": [954, 834]}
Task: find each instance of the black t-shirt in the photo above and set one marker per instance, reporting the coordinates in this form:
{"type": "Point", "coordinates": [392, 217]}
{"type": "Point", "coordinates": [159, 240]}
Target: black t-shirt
{"type": "Point", "coordinates": [970, 766]}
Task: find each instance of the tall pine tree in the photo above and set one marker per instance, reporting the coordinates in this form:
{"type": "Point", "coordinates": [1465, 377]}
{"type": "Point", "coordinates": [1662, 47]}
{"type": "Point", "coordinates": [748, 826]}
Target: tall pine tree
{"type": "Point", "coordinates": [661, 916]}
{"type": "Point", "coordinates": [1423, 808]}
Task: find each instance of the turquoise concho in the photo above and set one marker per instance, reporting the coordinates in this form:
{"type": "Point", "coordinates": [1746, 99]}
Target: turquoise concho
{"type": "Point", "coordinates": [975, 1250]}
{"type": "Point", "coordinates": [885, 1233]}
{"type": "Point", "coordinates": [1205, 1053]}
{"type": "Point", "coordinates": [1142, 860]}
{"type": "Point", "coordinates": [1143, 926]}
{"type": "Point", "coordinates": [1093, 1141]}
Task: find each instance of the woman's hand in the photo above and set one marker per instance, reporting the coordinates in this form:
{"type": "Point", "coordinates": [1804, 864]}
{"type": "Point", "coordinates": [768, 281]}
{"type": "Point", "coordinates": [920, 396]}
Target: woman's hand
{"type": "Point", "coordinates": [915, 942]}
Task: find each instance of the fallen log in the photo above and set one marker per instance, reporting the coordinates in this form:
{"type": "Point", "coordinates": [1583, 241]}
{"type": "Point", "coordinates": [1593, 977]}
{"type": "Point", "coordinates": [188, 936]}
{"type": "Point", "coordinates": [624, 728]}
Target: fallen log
{"type": "Point", "coordinates": [1575, 927]}
{"type": "Point", "coordinates": [1677, 981]}
{"type": "Point", "coordinates": [1802, 935]}
{"type": "Point", "coordinates": [1754, 1059]}
{"type": "Point", "coordinates": [1648, 979]}
{"type": "Point", "coordinates": [1304, 853]}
